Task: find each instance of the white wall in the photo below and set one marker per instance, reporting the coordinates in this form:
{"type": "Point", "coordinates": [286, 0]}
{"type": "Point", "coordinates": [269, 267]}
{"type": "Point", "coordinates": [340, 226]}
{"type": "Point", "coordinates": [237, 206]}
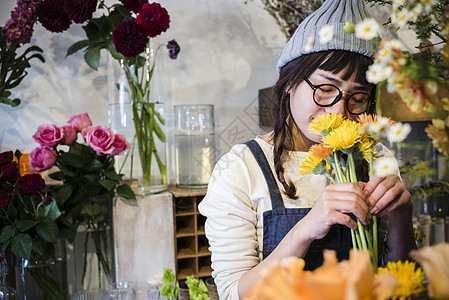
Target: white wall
{"type": "Point", "coordinates": [229, 51]}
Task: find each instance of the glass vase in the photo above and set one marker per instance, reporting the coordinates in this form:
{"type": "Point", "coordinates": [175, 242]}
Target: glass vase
{"type": "Point", "coordinates": [43, 276]}
{"type": "Point", "coordinates": [6, 291]}
{"type": "Point", "coordinates": [137, 111]}
{"type": "Point", "coordinates": [92, 251]}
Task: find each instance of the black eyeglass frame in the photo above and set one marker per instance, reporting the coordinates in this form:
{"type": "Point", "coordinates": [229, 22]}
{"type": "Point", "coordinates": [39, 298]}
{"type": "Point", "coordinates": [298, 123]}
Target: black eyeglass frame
{"type": "Point", "coordinates": [338, 98]}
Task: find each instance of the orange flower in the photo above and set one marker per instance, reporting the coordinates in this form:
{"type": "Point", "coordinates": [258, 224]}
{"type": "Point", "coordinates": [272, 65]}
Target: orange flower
{"type": "Point", "coordinates": [321, 151]}
{"type": "Point", "coordinates": [348, 279]}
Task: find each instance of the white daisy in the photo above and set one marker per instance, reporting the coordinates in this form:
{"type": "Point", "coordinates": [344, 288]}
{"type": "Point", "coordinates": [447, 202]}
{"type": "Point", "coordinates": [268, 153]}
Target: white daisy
{"type": "Point", "coordinates": [398, 132]}
{"type": "Point", "coordinates": [393, 44]}
{"type": "Point", "coordinates": [384, 166]}
{"type": "Point", "coordinates": [378, 72]}
{"type": "Point", "coordinates": [401, 18]}
{"type": "Point", "coordinates": [428, 4]}
{"type": "Point", "coordinates": [309, 44]}
{"type": "Point", "coordinates": [416, 11]}
{"type": "Point", "coordinates": [397, 3]}
{"type": "Point", "coordinates": [379, 127]}
{"type": "Point", "coordinates": [326, 34]}
{"type": "Point", "coordinates": [368, 29]}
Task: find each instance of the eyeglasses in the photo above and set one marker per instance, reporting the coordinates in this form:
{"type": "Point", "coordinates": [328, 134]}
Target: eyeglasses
{"type": "Point", "coordinates": [326, 95]}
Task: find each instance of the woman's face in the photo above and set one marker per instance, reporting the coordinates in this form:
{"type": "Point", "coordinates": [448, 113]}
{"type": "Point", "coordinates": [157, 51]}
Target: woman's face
{"type": "Point", "coordinates": [304, 109]}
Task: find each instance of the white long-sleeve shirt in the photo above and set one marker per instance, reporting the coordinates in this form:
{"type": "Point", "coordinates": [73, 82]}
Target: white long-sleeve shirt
{"type": "Point", "coordinates": [237, 196]}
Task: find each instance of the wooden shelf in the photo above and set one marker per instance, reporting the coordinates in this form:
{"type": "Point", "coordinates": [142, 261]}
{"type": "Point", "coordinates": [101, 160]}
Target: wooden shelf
{"type": "Point", "coordinates": [183, 192]}
{"type": "Point", "coordinates": [192, 256]}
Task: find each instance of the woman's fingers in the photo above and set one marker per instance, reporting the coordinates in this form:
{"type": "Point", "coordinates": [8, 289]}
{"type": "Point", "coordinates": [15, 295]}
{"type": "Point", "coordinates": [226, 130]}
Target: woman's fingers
{"type": "Point", "coordinates": [386, 194]}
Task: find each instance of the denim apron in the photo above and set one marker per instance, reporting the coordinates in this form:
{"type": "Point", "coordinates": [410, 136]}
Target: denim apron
{"type": "Point", "coordinates": [278, 221]}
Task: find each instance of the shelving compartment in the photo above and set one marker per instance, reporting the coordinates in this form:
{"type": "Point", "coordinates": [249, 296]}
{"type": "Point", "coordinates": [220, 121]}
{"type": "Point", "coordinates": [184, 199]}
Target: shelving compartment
{"type": "Point", "coordinates": [185, 225]}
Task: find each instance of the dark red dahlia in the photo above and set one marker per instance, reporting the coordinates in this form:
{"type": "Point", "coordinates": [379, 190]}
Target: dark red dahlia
{"type": "Point", "coordinates": [133, 5]}
{"type": "Point", "coordinates": [4, 200]}
{"type": "Point", "coordinates": [173, 49]}
{"type": "Point", "coordinates": [9, 172]}
{"type": "Point", "coordinates": [154, 18]}
{"type": "Point", "coordinates": [80, 10]}
{"type": "Point", "coordinates": [129, 38]}
{"type": "Point", "coordinates": [51, 15]}
{"type": "Point", "coordinates": [30, 184]}
{"type": "Point", "coordinates": [6, 157]}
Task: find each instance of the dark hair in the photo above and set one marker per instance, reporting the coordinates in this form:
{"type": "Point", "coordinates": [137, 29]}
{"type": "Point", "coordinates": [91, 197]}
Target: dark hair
{"type": "Point", "coordinates": [354, 66]}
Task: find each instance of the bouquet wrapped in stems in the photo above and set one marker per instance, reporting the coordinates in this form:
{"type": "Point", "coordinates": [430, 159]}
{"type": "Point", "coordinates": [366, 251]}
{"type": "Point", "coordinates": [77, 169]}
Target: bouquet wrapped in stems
{"type": "Point", "coordinates": [344, 142]}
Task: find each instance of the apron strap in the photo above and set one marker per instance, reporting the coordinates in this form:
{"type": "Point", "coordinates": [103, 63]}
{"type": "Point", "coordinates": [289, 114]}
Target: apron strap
{"type": "Point", "coordinates": [273, 188]}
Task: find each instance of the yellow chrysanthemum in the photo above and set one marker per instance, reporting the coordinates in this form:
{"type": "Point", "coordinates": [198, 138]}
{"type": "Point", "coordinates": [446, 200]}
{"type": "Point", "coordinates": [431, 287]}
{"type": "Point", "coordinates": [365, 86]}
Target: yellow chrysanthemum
{"type": "Point", "coordinates": [409, 278]}
{"type": "Point", "coordinates": [366, 146]}
{"type": "Point", "coordinates": [325, 123]}
{"type": "Point", "coordinates": [343, 137]}
{"type": "Point", "coordinates": [309, 164]}
{"type": "Point", "coordinates": [321, 151]}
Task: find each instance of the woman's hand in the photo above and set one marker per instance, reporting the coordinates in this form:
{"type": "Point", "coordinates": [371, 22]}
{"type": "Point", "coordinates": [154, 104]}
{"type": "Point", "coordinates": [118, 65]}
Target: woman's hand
{"type": "Point", "coordinates": [387, 194]}
{"type": "Point", "coordinates": [334, 206]}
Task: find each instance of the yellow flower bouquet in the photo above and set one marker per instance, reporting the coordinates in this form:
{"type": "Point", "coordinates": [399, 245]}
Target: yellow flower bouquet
{"type": "Point", "coordinates": [344, 142]}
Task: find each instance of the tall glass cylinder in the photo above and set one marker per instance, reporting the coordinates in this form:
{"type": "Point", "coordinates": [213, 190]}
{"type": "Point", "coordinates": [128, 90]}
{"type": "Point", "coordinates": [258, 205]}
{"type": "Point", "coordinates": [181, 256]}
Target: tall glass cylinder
{"type": "Point", "coordinates": [136, 110]}
{"type": "Point", "coordinates": [194, 144]}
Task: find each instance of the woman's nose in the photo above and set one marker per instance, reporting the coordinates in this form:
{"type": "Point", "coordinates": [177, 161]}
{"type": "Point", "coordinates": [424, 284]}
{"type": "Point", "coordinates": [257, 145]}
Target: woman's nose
{"type": "Point", "coordinates": [339, 107]}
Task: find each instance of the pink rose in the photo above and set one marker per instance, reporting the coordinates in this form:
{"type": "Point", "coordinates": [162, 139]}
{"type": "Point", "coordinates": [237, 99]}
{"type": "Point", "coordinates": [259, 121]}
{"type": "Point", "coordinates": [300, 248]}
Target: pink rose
{"type": "Point", "coordinates": [41, 159]}
{"type": "Point", "coordinates": [99, 138]}
{"type": "Point", "coordinates": [70, 135]}
{"type": "Point", "coordinates": [119, 145]}
{"type": "Point", "coordinates": [48, 135]}
{"type": "Point", "coordinates": [80, 121]}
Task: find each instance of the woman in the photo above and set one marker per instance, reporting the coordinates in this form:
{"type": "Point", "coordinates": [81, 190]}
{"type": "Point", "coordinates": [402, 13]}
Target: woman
{"type": "Point", "coordinates": [259, 209]}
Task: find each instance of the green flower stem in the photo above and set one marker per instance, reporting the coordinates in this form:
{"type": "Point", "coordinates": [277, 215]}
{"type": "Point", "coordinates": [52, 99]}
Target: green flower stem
{"type": "Point", "coordinates": [353, 238]}
{"type": "Point", "coordinates": [46, 280]}
{"type": "Point", "coordinates": [358, 239]}
{"type": "Point", "coordinates": [375, 245]}
{"type": "Point", "coordinates": [362, 235]}
{"type": "Point", "coordinates": [337, 168]}
{"type": "Point", "coordinates": [329, 177]}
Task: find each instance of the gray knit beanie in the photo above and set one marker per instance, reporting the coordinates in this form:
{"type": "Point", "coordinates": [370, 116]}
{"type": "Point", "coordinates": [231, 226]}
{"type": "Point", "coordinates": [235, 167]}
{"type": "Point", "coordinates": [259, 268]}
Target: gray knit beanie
{"type": "Point", "coordinates": [332, 12]}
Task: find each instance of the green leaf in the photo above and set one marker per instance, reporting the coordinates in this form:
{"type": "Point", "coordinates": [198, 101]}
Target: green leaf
{"type": "Point", "coordinates": [92, 178]}
{"type": "Point", "coordinates": [108, 184]}
{"type": "Point", "coordinates": [21, 245]}
{"type": "Point", "coordinates": [54, 211]}
{"type": "Point", "coordinates": [112, 175]}
{"type": "Point", "coordinates": [57, 175]}
{"type": "Point", "coordinates": [48, 230]}
{"type": "Point", "coordinates": [13, 102]}
{"type": "Point", "coordinates": [95, 166]}
{"type": "Point", "coordinates": [92, 31]}
{"type": "Point", "coordinates": [7, 233]}
{"type": "Point", "coordinates": [74, 160]}
{"type": "Point", "coordinates": [126, 192]}
{"type": "Point", "coordinates": [24, 225]}
{"type": "Point", "coordinates": [64, 193]}
{"type": "Point", "coordinates": [77, 46]}
{"type": "Point", "coordinates": [123, 11]}
{"type": "Point", "coordinates": [92, 57]}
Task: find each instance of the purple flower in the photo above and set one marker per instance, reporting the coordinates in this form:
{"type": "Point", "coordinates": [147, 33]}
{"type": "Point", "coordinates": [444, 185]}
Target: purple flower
{"type": "Point", "coordinates": [6, 157]}
{"type": "Point", "coordinates": [154, 18]}
{"type": "Point", "coordinates": [30, 184]}
{"type": "Point", "coordinates": [9, 172]}
{"type": "Point", "coordinates": [4, 200]}
{"type": "Point", "coordinates": [47, 200]}
{"type": "Point", "coordinates": [129, 38]}
{"type": "Point", "coordinates": [20, 27]}
{"type": "Point", "coordinates": [173, 49]}
{"type": "Point", "coordinates": [51, 15]}
{"type": "Point", "coordinates": [80, 10]}
{"type": "Point", "coordinates": [133, 5]}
